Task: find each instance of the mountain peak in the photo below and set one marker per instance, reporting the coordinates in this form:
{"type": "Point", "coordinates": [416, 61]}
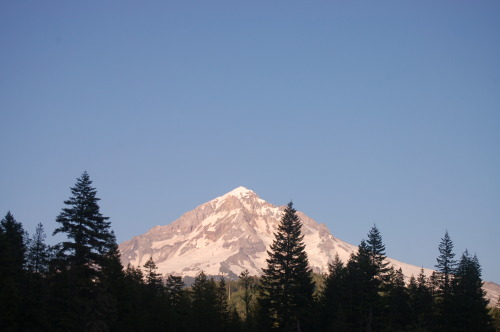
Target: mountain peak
{"type": "Point", "coordinates": [240, 192]}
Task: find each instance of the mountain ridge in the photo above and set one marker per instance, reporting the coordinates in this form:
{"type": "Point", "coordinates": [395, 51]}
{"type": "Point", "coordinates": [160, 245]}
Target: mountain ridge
{"type": "Point", "coordinates": [231, 233]}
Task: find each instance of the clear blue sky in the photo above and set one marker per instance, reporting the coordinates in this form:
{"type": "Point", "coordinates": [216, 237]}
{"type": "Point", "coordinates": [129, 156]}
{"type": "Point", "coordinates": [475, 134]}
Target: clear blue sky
{"type": "Point", "coordinates": [362, 112]}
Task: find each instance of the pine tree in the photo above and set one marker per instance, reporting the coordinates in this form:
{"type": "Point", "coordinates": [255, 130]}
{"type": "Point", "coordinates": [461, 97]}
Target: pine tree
{"type": "Point", "coordinates": [468, 303]}
{"type": "Point", "coordinates": [377, 252]}
{"type": "Point", "coordinates": [38, 252]}
{"type": "Point", "coordinates": [88, 231]}
{"type": "Point", "coordinates": [13, 246]}
{"type": "Point", "coordinates": [286, 292]}
{"type": "Point", "coordinates": [248, 284]}
{"type": "Point", "coordinates": [38, 283]}
{"type": "Point", "coordinates": [363, 288]}
{"type": "Point", "coordinates": [334, 297]}
{"type": "Point", "coordinates": [421, 302]}
{"type": "Point", "coordinates": [397, 300]}
{"type": "Point", "coordinates": [152, 278]}
{"type": "Point", "coordinates": [446, 265]}
{"type": "Point", "coordinates": [178, 303]}
{"type": "Point", "coordinates": [82, 260]}
{"type": "Point", "coordinates": [222, 306]}
{"type": "Point", "coordinates": [13, 242]}
{"type": "Point", "coordinates": [204, 304]}
{"type": "Point", "coordinates": [496, 315]}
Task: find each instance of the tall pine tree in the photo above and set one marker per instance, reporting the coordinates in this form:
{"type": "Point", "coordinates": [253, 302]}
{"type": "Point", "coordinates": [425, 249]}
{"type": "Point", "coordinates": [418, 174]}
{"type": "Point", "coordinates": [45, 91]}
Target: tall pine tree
{"type": "Point", "coordinates": [286, 292]}
{"type": "Point", "coordinates": [468, 304]}
{"type": "Point", "coordinates": [83, 260]}
{"type": "Point", "coordinates": [12, 263]}
{"type": "Point", "coordinates": [446, 265]}
{"type": "Point", "coordinates": [377, 253]}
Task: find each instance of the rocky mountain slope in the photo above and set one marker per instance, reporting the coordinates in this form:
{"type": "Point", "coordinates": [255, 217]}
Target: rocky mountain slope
{"type": "Point", "coordinates": [229, 234]}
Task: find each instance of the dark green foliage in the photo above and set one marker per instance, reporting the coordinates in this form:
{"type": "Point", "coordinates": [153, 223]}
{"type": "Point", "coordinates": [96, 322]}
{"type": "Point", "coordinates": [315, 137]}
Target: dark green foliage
{"type": "Point", "coordinates": [38, 257]}
{"type": "Point", "coordinates": [446, 265]}
{"type": "Point", "coordinates": [88, 231]}
{"type": "Point", "coordinates": [12, 277]}
{"type": "Point", "coordinates": [82, 260]}
{"type": "Point", "coordinates": [80, 285]}
{"type": "Point", "coordinates": [421, 302]}
{"type": "Point", "coordinates": [248, 284]}
{"type": "Point", "coordinates": [286, 291]}
{"type": "Point", "coordinates": [178, 304]}
{"type": "Point", "coordinates": [152, 278]}
{"type": "Point", "coordinates": [363, 290]}
{"type": "Point", "coordinates": [376, 249]}
{"type": "Point", "coordinates": [496, 315]}
{"type": "Point", "coordinates": [468, 304]}
{"type": "Point", "coordinates": [396, 302]}
{"type": "Point", "coordinates": [209, 305]}
{"type": "Point", "coordinates": [334, 298]}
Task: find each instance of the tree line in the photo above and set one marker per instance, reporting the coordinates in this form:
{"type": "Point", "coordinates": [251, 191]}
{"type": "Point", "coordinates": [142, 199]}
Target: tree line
{"type": "Point", "coordinates": [80, 284]}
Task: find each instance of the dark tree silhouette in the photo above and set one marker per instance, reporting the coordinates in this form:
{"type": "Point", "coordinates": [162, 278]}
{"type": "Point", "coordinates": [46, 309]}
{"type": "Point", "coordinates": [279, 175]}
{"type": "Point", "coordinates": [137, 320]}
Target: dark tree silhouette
{"type": "Point", "coordinates": [12, 277]}
{"type": "Point", "coordinates": [468, 304]}
{"type": "Point", "coordinates": [82, 261]}
{"type": "Point", "coordinates": [445, 266]}
{"type": "Point", "coordinates": [286, 292]}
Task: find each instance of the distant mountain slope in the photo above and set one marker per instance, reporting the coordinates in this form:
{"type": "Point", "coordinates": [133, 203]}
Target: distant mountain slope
{"type": "Point", "coordinates": [229, 234]}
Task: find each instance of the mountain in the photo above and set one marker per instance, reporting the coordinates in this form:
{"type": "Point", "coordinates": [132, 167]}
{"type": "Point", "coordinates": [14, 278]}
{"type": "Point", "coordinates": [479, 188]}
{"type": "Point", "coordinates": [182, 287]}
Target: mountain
{"type": "Point", "coordinates": [229, 234]}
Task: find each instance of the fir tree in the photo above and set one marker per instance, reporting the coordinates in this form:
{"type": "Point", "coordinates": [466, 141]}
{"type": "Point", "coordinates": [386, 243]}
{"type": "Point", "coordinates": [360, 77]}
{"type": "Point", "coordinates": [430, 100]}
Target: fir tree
{"type": "Point", "coordinates": [377, 252]}
{"type": "Point", "coordinates": [248, 284]}
{"type": "Point", "coordinates": [204, 304]}
{"type": "Point", "coordinates": [286, 292]}
{"type": "Point", "coordinates": [82, 259]}
{"type": "Point", "coordinates": [446, 265]}
{"type": "Point", "coordinates": [152, 278]}
{"type": "Point", "coordinates": [468, 304]}
{"type": "Point", "coordinates": [88, 231]}
{"type": "Point", "coordinates": [222, 306]}
{"type": "Point", "coordinates": [396, 299]}
{"type": "Point", "coordinates": [334, 298]}
{"type": "Point", "coordinates": [363, 289]}
{"type": "Point", "coordinates": [421, 302]}
{"type": "Point", "coordinates": [12, 277]}
{"type": "Point", "coordinates": [496, 315]}
{"type": "Point", "coordinates": [37, 288]}
{"type": "Point", "coordinates": [38, 252]}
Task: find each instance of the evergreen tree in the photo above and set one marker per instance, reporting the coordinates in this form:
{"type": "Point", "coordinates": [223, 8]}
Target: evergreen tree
{"type": "Point", "coordinates": [38, 252]}
{"type": "Point", "coordinates": [205, 315]}
{"type": "Point", "coordinates": [333, 299]}
{"type": "Point", "coordinates": [363, 288]}
{"type": "Point", "coordinates": [286, 292]}
{"type": "Point", "coordinates": [377, 252]}
{"type": "Point", "coordinates": [152, 278]}
{"type": "Point", "coordinates": [12, 277]}
{"type": "Point", "coordinates": [468, 304]}
{"type": "Point", "coordinates": [248, 284]}
{"type": "Point", "coordinates": [13, 246]}
{"type": "Point", "coordinates": [88, 232]}
{"type": "Point", "coordinates": [222, 306]}
{"type": "Point", "coordinates": [421, 302]}
{"type": "Point", "coordinates": [82, 259]}
{"type": "Point", "coordinates": [396, 300]}
{"type": "Point", "coordinates": [496, 315]}
{"type": "Point", "coordinates": [37, 288]}
{"type": "Point", "coordinates": [178, 303]}
{"type": "Point", "coordinates": [446, 265]}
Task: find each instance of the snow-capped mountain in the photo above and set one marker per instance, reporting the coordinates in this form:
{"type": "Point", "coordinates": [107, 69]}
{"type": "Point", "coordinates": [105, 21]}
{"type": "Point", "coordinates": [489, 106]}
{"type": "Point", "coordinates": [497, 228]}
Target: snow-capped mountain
{"type": "Point", "coordinates": [232, 233]}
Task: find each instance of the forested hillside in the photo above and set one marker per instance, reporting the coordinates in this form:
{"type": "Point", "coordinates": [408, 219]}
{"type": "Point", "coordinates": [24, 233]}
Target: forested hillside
{"type": "Point", "coordinates": [80, 285]}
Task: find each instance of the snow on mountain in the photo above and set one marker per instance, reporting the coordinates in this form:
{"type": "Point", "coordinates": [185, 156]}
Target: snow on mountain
{"type": "Point", "coordinates": [231, 233]}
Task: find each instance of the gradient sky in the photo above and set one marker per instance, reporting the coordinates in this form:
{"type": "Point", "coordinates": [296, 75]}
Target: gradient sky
{"type": "Point", "coordinates": [360, 112]}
